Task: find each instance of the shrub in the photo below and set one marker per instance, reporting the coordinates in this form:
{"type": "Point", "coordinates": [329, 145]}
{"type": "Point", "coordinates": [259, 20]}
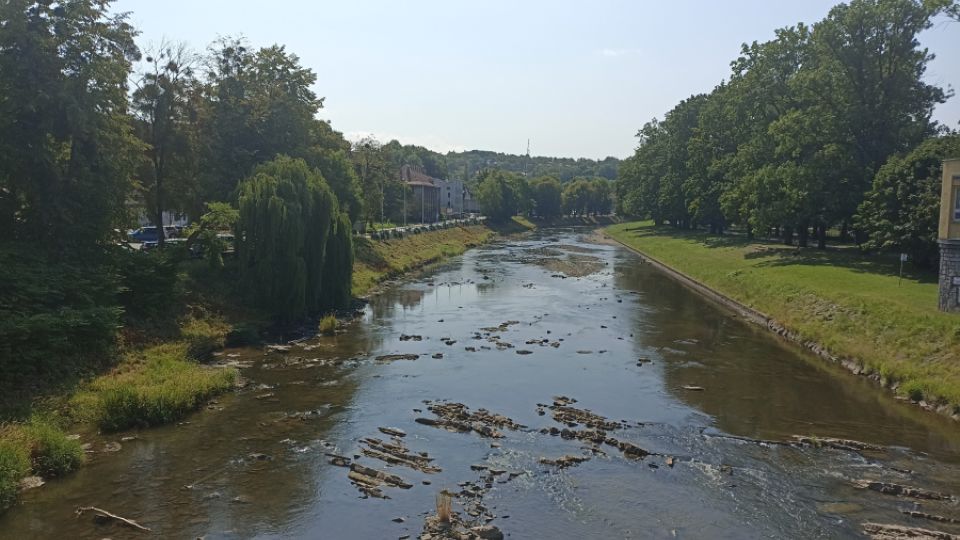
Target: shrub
{"type": "Point", "coordinates": [57, 318]}
{"type": "Point", "coordinates": [148, 285]}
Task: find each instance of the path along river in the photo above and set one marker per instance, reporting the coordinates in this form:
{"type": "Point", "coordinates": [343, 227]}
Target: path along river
{"type": "Point", "coordinates": [519, 323]}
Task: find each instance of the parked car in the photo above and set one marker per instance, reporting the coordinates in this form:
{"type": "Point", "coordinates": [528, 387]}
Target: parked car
{"type": "Point", "coordinates": [149, 233]}
{"type": "Point", "coordinates": [143, 234]}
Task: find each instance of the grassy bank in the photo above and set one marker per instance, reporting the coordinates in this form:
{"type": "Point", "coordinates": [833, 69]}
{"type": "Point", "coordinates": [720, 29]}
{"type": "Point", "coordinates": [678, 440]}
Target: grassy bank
{"type": "Point", "coordinates": [848, 302]}
{"type": "Point", "coordinates": [379, 260]}
{"type": "Point", "coordinates": [151, 385]}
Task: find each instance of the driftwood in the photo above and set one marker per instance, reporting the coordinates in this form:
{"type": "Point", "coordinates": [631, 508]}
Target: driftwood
{"type": "Point", "coordinates": [103, 514]}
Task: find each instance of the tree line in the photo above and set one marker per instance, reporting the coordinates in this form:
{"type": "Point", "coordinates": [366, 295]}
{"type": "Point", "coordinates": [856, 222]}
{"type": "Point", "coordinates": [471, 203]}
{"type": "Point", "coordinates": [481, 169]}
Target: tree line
{"type": "Point", "coordinates": [92, 128]}
{"type": "Point", "coordinates": [825, 126]}
{"type": "Point", "coordinates": [503, 194]}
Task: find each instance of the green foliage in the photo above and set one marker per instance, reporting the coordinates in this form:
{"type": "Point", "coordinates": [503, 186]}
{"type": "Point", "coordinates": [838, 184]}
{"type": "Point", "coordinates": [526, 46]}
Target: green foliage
{"type": "Point", "coordinates": [588, 196]}
{"type": "Point", "coordinates": [338, 265]}
{"type": "Point", "coordinates": [160, 386]}
{"type": "Point", "coordinates": [53, 453]}
{"type": "Point", "coordinates": [900, 212]}
{"type": "Point", "coordinates": [148, 285]}
{"type": "Point", "coordinates": [66, 148]}
{"type": "Point", "coordinates": [257, 104]}
{"type": "Point", "coordinates": [164, 109]}
{"type": "Point", "coordinates": [502, 194]}
{"type": "Point", "coordinates": [36, 447]}
{"type": "Point", "coordinates": [793, 141]}
{"type": "Point", "coordinates": [547, 199]}
{"type": "Point", "coordinates": [287, 212]}
{"type": "Point", "coordinates": [14, 465]}
{"type": "Point", "coordinates": [56, 319]}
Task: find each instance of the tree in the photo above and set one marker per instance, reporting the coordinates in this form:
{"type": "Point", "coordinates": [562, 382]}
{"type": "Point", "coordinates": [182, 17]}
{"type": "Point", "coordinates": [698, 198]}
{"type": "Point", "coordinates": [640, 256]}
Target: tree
{"type": "Point", "coordinates": [374, 172]}
{"type": "Point", "coordinates": [547, 200]}
{"type": "Point", "coordinates": [161, 106]}
{"type": "Point", "coordinates": [258, 104]}
{"type": "Point", "coordinates": [67, 157]}
{"type": "Point", "coordinates": [66, 149]}
{"type": "Point", "coordinates": [502, 194]}
{"type": "Point", "coordinates": [900, 213]}
{"type": "Point", "coordinates": [287, 215]}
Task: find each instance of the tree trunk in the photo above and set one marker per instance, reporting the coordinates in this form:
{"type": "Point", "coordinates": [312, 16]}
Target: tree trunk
{"type": "Point", "coordinates": [821, 237]}
{"type": "Point", "coordinates": [788, 236]}
{"type": "Point", "coordinates": [844, 232]}
{"type": "Point", "coordinates": [158, 211]}
{"type": "Point", "coordinates": [802, 235]}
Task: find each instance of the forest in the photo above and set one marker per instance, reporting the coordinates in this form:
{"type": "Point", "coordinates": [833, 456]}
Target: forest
{"type": "Point", "coordinates": [823, 131]}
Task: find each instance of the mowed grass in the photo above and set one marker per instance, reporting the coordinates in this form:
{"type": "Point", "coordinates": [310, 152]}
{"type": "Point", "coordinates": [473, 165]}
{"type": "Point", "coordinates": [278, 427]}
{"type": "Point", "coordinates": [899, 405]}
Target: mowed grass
{"type": "Point", "coordinates": [158, 385]}
{"type": "Point", "coordinates": [378, 260]}
{"type": "Point", "coordinates": [845, 300]}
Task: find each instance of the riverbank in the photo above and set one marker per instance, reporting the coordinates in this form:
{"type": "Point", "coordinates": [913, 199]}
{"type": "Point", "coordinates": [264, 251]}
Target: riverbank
{"type": "Point", "coordinates": [841, 304]}
{"type": "Point", "coordinates": [377, 261]}
{"type": "Point", "coordinates": [160, 379]}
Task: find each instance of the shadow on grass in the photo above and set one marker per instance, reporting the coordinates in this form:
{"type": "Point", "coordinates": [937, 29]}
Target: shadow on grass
{"type": "Point", "coordinates": [775, 254]}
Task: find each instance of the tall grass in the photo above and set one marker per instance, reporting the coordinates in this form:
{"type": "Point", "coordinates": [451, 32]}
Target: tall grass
{"type": "Point", "coordinates": [328, 325]}
{"type": "Point", "coordinates": [158, 386]}
{"type": "Point", "coordinates": [37, 447]}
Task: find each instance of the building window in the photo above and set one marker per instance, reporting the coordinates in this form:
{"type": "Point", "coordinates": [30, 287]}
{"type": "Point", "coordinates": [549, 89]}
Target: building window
{"type": "Point", "coordinates": [956, 203]}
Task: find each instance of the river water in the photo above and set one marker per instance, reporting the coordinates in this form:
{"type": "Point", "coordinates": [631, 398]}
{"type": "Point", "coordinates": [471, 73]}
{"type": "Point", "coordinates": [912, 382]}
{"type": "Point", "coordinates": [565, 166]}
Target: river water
{"type": "Point", "coordinates": [691, 383]}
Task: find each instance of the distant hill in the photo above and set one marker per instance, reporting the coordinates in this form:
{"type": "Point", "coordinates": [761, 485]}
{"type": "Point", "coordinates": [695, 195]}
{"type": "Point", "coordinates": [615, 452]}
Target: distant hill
{"type": "Point", "coordinates": [466, 165]}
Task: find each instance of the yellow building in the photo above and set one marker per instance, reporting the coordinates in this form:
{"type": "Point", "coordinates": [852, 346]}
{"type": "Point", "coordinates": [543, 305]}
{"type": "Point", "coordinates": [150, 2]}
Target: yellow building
{"type": "Point", "coordinates": [949, 236]}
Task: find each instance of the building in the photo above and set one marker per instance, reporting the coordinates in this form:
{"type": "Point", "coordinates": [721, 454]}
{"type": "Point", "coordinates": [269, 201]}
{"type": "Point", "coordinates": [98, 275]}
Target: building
{"type": "Point", "coordinates": [455, 199]}
{"type": "Point", "coordinates": [949, 237]}
{"type": "Point", "coordinates": [423, 205]}
{"type": "Point", "coordinates": [432, 198]}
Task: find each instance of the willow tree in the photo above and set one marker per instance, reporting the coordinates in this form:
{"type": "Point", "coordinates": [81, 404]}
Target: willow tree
{"type": "Point", "coordinates": [287, 213]}
{"type": "Point", "coordinates": [338, 264]}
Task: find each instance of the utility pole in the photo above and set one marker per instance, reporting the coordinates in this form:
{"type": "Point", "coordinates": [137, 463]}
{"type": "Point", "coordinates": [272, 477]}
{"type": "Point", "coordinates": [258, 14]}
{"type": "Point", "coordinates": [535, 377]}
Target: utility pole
{"type": "Point", "coordinates": [527, 162]}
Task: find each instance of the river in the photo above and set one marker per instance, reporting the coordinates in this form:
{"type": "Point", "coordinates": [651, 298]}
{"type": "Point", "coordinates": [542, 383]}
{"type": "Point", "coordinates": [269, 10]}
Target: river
{"type": "Point", "coordinates": [524, 326]}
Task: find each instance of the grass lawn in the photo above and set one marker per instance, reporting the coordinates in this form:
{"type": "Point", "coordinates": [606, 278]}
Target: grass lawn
{"type": "Point", "coordinates": [847, 301]}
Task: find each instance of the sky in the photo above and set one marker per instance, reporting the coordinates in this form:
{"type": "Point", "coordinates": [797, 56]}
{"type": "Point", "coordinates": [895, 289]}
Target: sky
{"type": "Point", "coordinates": [576, 79]}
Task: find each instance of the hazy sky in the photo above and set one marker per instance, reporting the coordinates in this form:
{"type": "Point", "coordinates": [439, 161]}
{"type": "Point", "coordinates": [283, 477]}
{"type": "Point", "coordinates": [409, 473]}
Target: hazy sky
{"type": "Point", "coordinates": [576, 78]}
